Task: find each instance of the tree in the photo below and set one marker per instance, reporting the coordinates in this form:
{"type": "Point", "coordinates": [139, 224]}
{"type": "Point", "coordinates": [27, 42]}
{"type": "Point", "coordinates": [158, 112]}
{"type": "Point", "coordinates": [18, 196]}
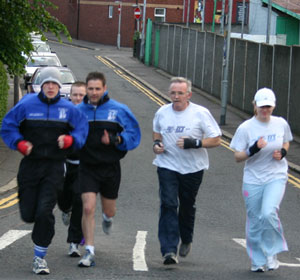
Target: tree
{"type": "Point", "coordinates": [17, 19]}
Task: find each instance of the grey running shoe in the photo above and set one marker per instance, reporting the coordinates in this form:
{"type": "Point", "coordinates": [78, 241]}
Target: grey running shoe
{"type": "Point", "coordinates": [170, 258]}
{"type": "Point", "coordinates": [184, 249]}
{"type": "Point", "coordinates": [87, 260]}
{"type": "Point", "coordinates": [106, 226]}
{"type": "Point", "coordinates": [73, 250]}
{"type": "Point", "coordinates": [66, 217]}
{"type": "Point", "coordinates": [40, 266]}
{"type": "Point", "coordinates": [272, 262]}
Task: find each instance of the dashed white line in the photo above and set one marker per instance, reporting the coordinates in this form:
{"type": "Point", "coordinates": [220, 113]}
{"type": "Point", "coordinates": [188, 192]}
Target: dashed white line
{"type": "Point", "coordinates": [139, 262]}
{"type": "Point", "coordinates": [11, 236]}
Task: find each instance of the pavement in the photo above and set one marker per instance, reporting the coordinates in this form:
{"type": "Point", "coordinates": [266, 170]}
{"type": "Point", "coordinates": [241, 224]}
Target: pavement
{"type": "Point", "coordinates": [152, 78]}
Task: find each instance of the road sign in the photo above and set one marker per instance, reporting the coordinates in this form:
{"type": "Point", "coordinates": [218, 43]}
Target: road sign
{"type": "Point", "coordinates": [137, 13]}
{"type": "Point", "coordinates": [119, 9]}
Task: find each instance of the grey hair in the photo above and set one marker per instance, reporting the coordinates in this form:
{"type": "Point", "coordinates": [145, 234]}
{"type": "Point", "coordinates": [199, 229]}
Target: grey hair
{"type": "Point", "coordinates": [182, 80]}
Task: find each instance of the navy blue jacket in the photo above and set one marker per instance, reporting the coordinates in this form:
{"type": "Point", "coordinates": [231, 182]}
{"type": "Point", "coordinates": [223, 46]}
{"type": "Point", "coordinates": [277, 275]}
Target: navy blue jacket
{"type": "Point", "coordinates": [41, 121]}
{"type": "Point", "coordinates": [117, 119]}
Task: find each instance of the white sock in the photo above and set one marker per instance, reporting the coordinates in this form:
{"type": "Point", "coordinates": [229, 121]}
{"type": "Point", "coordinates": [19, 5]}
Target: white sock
{"type": "Point", "coordinates": [106, 218]}
{"type": "Point", "coordinates": [90, 248]}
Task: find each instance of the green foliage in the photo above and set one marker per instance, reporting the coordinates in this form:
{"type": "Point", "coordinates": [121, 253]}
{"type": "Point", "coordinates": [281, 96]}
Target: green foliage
{"type": "Point", "coordinates": [136, 35]}
{"type": "Point", "coordinates": [3, 92]}
{"type": "Point", "coordinates": [17, 19]}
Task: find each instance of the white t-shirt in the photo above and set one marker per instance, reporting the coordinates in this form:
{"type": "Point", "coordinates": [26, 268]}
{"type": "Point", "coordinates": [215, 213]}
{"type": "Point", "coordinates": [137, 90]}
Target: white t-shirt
{"type": "Point", "coordinates": [196, 122]}
{"type": "Point", "coordinates": [261, 168]}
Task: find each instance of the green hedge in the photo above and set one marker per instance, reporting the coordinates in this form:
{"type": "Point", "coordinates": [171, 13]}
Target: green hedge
{"type": "Point", "coordinates": [3, 92]}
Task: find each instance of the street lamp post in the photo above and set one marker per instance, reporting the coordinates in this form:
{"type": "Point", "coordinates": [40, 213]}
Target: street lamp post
{"type": "Point", "coordinates": [119, 26]}
{"type": "Point", "coordinates": [269, 21]}
{"type": "Point", "coordinates": [224, 86]}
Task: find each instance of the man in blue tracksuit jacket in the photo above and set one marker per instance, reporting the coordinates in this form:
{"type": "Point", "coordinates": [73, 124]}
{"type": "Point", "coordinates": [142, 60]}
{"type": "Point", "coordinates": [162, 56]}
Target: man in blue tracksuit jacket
{"type": "Point", "coordinates": [113, 130]}
{"type": "Point", "coordinates": [45, 129]}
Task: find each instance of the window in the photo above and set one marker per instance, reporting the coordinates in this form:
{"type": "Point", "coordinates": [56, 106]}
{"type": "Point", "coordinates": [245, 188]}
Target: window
{"type": "Point", "coordinates": [110, 11]}
{"type": "Point", "coordinates": [160, 14]}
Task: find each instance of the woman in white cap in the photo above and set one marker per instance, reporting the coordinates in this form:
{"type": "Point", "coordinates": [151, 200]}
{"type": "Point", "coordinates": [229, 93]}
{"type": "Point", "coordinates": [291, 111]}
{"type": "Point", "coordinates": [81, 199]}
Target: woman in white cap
{"type": "Point", "coordinates": [263, 142]}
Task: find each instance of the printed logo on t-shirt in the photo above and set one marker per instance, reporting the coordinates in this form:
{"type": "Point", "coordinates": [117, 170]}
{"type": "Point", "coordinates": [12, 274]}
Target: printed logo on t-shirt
{"type": "Point", "coordinates": [177, 129]}
{"type": "Point", "coordinates": [271, 138]}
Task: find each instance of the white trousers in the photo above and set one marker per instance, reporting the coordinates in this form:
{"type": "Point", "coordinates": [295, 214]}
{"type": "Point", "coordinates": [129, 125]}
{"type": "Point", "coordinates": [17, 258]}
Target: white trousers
{"type": "Point", "coordinates": [264, 233]}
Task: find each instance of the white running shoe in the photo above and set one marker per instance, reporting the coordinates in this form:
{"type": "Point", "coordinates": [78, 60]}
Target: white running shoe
{"type": "Point", "coordinates": [87, 260]}
{"type": "Point", "coordinates": [272, 262]}
{"type": "Point", "coordinates": [73, 250]}
{"type": "Point", "coordinates": [256, 268]}
{"type": "Point", "coordinates": [40, 266]}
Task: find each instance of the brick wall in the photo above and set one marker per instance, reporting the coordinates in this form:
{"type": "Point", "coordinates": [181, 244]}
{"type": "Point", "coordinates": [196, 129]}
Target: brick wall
{"type": "Point", "coordinates": [96, 26]}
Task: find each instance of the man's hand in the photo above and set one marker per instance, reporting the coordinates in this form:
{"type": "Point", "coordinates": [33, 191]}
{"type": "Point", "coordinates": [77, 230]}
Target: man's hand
{"type": "Point", "coordinates": [188, 143]}
{"type": "Point", "coordinates": [24, 147]}
{"type": "Point", "coordinates": [110, 139]}
{"type": "Point", "coordinates": [279, 154]}
{"type": "Point", "coordinates": [158, 147]}
{"type": "Point", "coordinates": [65, 141]}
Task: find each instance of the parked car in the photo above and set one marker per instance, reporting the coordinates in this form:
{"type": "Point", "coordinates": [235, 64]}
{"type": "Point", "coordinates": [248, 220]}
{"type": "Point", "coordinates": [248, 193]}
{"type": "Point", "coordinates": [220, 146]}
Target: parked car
{"type": "Point", "coordinates": [67, 78]}
{"type": "Point", "coordinates": [41, 46]}
{"type": "Point", "coordinates": [39, 60]}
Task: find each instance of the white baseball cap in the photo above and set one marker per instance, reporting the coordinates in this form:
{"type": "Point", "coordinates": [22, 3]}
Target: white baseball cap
{"type": "Point", "coordinates": [265, 97]}
{"type": "Point", "coordinates": [50, 74]}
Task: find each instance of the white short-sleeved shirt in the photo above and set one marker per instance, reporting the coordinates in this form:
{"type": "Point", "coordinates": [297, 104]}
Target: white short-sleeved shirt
{"type": "Point", "coordinates": [196, 122]}
{"type": "Point", "coordinates": [261, 168]}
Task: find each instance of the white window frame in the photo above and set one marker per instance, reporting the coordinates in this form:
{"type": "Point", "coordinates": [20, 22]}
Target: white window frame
{"type": "Point", "coordinates": [159, 15]}
{"type": "Point", "coordinates": [110, 11]}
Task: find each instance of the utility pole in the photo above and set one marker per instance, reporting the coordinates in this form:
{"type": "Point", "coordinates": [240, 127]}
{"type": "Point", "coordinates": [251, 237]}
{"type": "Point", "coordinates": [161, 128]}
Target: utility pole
{"type": "Point", "coordinates": [243, 20]}
{"type": "Point", "coordinates": [119, 26]}
{"type": "Point", "coordinates": [222, 17]}
{"type": "Point", "coordinates": [16, 89]}
{"type": "Point", "coordinates": [269, 21]}
{"type": "Point", "coordinates": [203, 14]}
{"type": "Point", "coordinates": [188, 14]}
{"type": "Point", "coordinates": [78, 17]}
{"type": "Point", "coordinates": [224, 86]}
{"type": "Point", "coordinates": [142, 50]}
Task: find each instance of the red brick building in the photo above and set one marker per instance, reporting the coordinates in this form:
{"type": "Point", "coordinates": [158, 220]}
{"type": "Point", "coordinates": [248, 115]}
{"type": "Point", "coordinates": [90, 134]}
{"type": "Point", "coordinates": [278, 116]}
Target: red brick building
{"type": "Point", "coordinates": [98, 20]}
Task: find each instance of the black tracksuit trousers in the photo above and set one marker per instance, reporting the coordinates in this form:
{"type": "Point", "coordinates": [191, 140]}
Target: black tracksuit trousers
{"type": "Point", "coordinates": [38, 183]}
{"type": "Point", "coordinates": [69, 199]}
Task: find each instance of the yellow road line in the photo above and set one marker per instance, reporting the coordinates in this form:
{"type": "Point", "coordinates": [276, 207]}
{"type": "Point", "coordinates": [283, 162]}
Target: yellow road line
{"type": "Point", "coordinates": [103, 60]}
{"type": "Point", "coordinates": [9, 201]}
{"type": "Point", "coordinates": [9, 204]}
{"type": "Point", "coordinates": [4, 200]}
{"type": "Point", "coordinates": [294, 178]}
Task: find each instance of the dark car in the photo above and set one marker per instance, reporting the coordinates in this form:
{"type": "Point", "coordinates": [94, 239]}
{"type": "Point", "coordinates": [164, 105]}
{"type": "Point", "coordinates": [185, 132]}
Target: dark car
{"type": "Point", "coordinates": [67, 79]}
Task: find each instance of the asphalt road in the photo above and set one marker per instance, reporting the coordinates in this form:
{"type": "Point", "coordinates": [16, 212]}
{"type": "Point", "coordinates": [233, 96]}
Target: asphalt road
{"type": "Point", "coordinates": [220, 210]}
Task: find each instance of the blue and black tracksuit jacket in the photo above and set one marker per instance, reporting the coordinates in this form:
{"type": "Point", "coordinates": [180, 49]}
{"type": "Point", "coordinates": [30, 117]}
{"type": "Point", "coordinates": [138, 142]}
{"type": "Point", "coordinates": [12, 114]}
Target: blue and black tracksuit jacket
{"type": "Point", "coordinates": [117, 119]}
{"type": "Point", "coordinates": [41, 121]}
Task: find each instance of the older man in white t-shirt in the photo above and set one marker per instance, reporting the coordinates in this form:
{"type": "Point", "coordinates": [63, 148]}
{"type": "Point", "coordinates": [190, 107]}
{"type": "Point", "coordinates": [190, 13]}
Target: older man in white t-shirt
{"type": "Point", "coordinates": [181, 132]}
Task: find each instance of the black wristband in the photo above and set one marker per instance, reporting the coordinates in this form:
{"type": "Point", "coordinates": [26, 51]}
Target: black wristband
{"type": "Point", "coordinates": [189, 143]}
{"type": "Point", "coordinates": [253, 149]}
{"type": "Point", "coordinates": [157, 142]}
{"type": "Point", "coordinates": [283, 152]}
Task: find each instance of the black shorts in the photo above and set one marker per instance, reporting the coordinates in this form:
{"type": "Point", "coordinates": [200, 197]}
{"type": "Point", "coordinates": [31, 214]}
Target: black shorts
{"type": "Point", "coordinates": [103, 178]}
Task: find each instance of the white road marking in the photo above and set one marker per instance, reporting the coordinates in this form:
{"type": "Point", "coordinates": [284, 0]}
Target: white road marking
{"type": "Point", "coordinates": [242, 242]}
{"type": "Point", "coordinates": [11, 236]}
{"type": "Point", "coordinates": [139, 263]}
